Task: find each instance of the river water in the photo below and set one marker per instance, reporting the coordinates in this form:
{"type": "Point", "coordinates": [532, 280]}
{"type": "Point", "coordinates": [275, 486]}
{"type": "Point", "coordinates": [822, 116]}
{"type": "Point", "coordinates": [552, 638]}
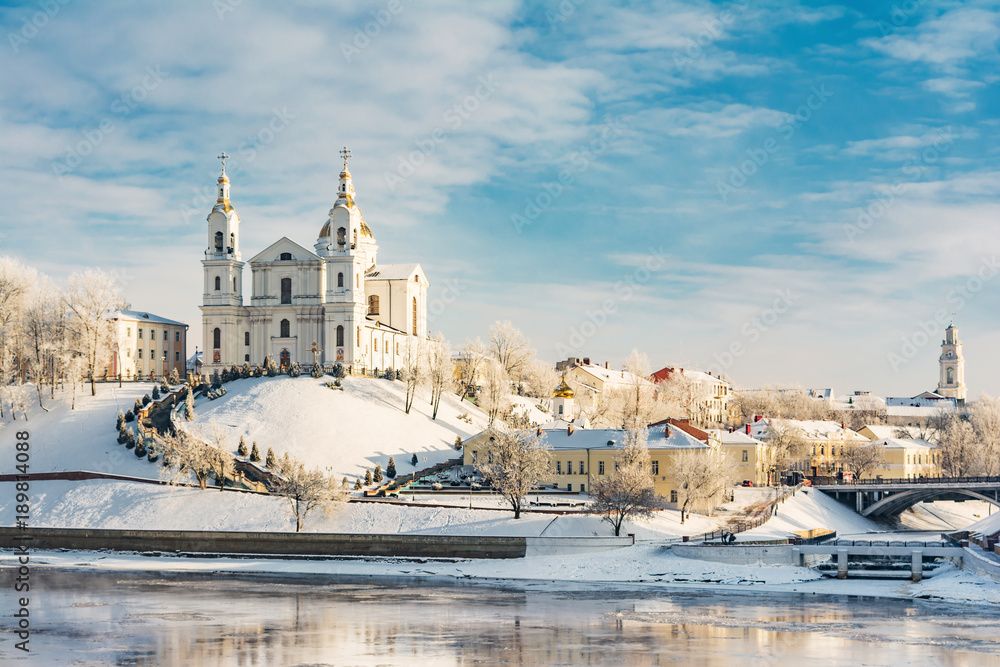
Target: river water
{"type": "Point", "coordinates": [102, 618]}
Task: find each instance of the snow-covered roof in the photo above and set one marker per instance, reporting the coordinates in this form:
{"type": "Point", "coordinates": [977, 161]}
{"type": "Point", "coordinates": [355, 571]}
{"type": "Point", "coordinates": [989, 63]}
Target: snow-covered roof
{"type": "Point", "coordinates": [140, 316]}
{"type": "Point", "coordinates": [391, 271]}
{"type": "Point", "coordinates": [918, 410]}
{"type": "Point", "coordinates": [859, 400]}
{"type": "Point", "coordinates": [738, 437]}
{"type": "Point", "coordinates": [928, 399]}
{"type": "Point", "coordinates": [810, 429]}
{"type": "Point", "coordinates": [698, 376]}
{"type": "Point", "coordinates": [610, 375]}
{"type": "Point", "coordinates": [598, 438]}
{"type": "Point", "coordinates": [882, 431]}
{"type": "Point", "coordinates": [906, 443]}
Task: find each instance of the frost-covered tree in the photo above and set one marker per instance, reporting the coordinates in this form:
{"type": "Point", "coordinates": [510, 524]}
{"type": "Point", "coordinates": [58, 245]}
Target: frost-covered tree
{"type": "Point", "coordinates": [357, 484]}
{"type": "Point", "coordinates": [175, 378]}
{"type": "Point", "coordinates": [377, 476]}
{"type": "Point", "coordinates": [220, 460]}
{"type": "Point", "coordinates": [509, 347]}
{"type": "Point", "coordinates": [390, 470]}
{"type": "Point", "coordinates": [368, 476]}
{"type": "Point", "coordinates": [272, 369]}
{"type": "Point", "coordinates": [414, 460]}
{"type": "Point", "coordinates": [702, 477]}
{"type": "Point", "coordinates": [254, 453]}
{"type": "Point", "coordinates": [625, 494]}
{"type": "Point", "coordinates": [494, 392]}
{"type": "Point", "coordinates": [156, 393]}
{"type": "Point", "coordinates": [242, 449]}
{"type": "Point", "coordinates": [129, 416]}
{"type": "Point", "coordinates": [457, 444]}
{"type": "Point", "coordinates": [862, 458]}
{"type": "Point", "coordinates": [540, 379]}
{"type": "Point", "coordinates": [189, 405]}
{"type": "Point", "coordinates": [514, 462]}
{"type": "Point", "coordinates": [984, 416]}
{"type": "Point", "coordinates": [269, 460]}
{"type": "Point", "coordinates": [440, 371]}
{"type": "Point", "coordinates": [182, 453]}
{"type": "Point", "coordinates": [306, 489]}
{"type": "Point", "coordinates": [90, 295]}
{"type": "Point", "coordinates": [317, 371]}
{"type": "Point", "coordinates": [414, 369]}
{"type": "Point", "coordinates": [471, 358]}
{"type": "Point", "coordinates": [960, 450]}
{"type": "Point", "coordinates": [16, 282]}
{"type": "Point", "coordinates": [120, 421]}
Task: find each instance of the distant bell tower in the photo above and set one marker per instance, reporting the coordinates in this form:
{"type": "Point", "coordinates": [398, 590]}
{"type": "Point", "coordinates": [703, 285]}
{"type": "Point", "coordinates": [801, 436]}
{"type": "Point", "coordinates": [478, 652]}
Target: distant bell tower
{"type": "Point", "coordinates": [952, 380]}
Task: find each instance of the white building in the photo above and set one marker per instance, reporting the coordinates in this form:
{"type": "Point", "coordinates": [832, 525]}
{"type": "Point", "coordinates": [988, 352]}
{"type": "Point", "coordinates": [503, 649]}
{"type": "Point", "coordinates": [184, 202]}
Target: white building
{"type": "Point", "coordinates": [146, 345]}
{"type": "Point", "coordinates": [357, 311]}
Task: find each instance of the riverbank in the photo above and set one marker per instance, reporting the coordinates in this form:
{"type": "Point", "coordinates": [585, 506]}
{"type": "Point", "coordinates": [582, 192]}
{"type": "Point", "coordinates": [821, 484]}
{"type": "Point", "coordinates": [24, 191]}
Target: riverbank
{"type": "Point", "coordinates": [646, 566]}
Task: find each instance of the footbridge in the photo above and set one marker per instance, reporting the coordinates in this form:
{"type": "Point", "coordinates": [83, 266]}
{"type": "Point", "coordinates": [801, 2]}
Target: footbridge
{"type": "Point", "coordinates": [888, 497]}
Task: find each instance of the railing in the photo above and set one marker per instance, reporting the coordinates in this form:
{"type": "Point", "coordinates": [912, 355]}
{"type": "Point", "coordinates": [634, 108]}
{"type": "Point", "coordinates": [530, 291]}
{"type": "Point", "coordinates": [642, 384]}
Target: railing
{"type": "Point", "coordinates": [749, 524]}
{"type": "Point", "coordinates": [878, 481]}
{"type": "Point", "coordinates": [887, 543]}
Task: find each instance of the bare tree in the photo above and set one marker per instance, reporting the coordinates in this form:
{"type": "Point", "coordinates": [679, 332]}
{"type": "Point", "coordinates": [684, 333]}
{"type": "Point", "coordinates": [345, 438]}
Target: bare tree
{"type": "Point", "coordinates": [16, 280]}
{"type": "Point", "coordinates": [862, 458]}
{"type": "Point", "coordinates": [985, 418]}
{"type": "Point", "coordinates": [513, 463]}
{"type": "Point", "coordinates": [471, 358]}
{"type": "Point", "coordinates": [494, 394]}
{"type": "Point", "coordinates": [635, 403]}
{"type": "Point", "coordinates": [628, 492]}
{"type": "Point", "coordinates": [510, 348]}
{"type": "Point", "coordinates": [182, 452]}
{"type": "Point", "coordinates": [702, 478]}
{"type": "Point", "coordinates": [90, 296]}
{"type": "Point", "coordinates": [960, 453]}
{"type": "Point", "coordinates": [219, 458]}
{"type": "Point", "coordinates": [414, 369]}
{"type": "Point", "coordinates": [440, 371]}
{"type": "Point", "coordinates": [784, 443]}
{"type": "Point", "coordinates": [540, 379]}
{"type": "Point", "coordinates": [787, 403]}
{"type": "Point", "coordinates": [305, 488]}
{"type": "Point", "coordinates": [684, 396]}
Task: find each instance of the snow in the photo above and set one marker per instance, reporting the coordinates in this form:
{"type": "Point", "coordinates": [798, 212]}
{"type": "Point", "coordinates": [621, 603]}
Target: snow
{"type": "Point", "coordinates": [947, 515]}
{"type": "Point", "coordinates": [80, 439]}
{"type": "Point", "coordinates": [989, 525]}
{"type": "Point", "coordinates": [341, 431]}
{"type": "Point", "coordinates": [528, 407]}
{"type": "Point", "coordinates": [809, 509]}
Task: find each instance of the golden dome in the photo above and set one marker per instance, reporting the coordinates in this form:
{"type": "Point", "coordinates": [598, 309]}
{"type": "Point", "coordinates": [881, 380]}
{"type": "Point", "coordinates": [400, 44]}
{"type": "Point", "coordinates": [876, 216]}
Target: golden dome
{"type": "Point", "coordinates": [563, 390]}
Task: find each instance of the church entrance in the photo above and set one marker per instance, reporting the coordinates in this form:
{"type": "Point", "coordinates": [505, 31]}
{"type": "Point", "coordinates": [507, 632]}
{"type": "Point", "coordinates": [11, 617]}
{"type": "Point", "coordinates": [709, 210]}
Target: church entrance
{"type": "Point", "coordinates": [286, 360]}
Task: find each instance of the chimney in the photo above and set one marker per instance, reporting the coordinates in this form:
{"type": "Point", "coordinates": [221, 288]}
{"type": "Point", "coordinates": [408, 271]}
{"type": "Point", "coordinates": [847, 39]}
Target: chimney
{"type": "Point", "coordinates": [569, 430]}
{"type": "Point", "coordinates": [606, 365]}
{"type": "Point", "coordinates": [748, 429]}
{"type": "Point", "coordinates": [756, 418]}
{"type": "Point", "coordinates": [586, 361]}
{"type": "Point", "coordinates": [843, 427]}
{"type": "Point", "coordinates": [666, 431]}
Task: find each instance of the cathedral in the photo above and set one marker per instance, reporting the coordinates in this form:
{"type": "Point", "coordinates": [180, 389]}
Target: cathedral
{"type": "Point", "coordinates": [334, 303]}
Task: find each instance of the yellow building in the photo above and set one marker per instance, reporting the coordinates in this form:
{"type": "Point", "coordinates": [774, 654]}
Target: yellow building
{"type": "Point", "coordinates": [820, 443]}
{"type": "Point", "coordinates": [580, 456]}
{"type": "Point", "coordinates": [907, 458]}
{"type": "Point", "coordinates": [748, 454]}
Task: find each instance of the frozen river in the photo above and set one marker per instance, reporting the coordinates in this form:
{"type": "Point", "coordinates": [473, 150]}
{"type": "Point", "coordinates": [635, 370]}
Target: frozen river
{"type": "Point", "coordinates": [85, 618]}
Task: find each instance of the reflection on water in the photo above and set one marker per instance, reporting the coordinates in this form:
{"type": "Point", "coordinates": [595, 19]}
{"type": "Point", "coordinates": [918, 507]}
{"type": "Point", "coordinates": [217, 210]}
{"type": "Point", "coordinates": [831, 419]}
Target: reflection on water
{"type": "Point", "coordinates": [123, 619]}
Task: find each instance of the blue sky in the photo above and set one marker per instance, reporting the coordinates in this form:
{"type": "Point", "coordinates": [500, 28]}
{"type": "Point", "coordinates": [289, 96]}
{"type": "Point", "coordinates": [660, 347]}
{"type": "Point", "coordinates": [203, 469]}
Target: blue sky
{"type": "Point", "coordinates": [789, 193]}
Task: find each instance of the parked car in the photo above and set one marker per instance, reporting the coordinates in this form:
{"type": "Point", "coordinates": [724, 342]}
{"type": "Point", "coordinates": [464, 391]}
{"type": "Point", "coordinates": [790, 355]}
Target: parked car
{"type": "Point", "coordinates": [747, 482]}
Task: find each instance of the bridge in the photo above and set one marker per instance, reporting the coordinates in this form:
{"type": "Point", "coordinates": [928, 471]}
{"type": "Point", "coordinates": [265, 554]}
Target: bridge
{"type": "Point", "coordinates": [888, 497]}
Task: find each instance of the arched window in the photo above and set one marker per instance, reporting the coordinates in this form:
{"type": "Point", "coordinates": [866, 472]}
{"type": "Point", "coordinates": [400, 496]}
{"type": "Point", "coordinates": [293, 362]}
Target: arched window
{"type": "Point", "coordinates": [218, 283]}
{"type": "Point", "coordinates": [359, 336]}
{"type": "Point", "coordinates": [286, 290]}
{"type": "Point", "coordinates": [951, 376]}
{"type": "Point", "coordinates": [342, 236]}
{"type": "Point", "coordinates": [355, 243]}
{"type": "Point", "coordinates": [373, 305]}
{"type": "Point", "coordinates": [340, 280]}
{"type": "Point", "coordinates": [414, 316]}
{"type": "Point", "coordinates": [286, 329]}
{"type": "Point", "coordinates": [357, 280]}
{"type": "Point", "coordinates": [217, 339]}
{"type": "Point", "coordinates": [285, 256]}
{"type": "Point", "coordinates": [375, 343]}
{"type": "Point", "coordinates": [340, 336]}
{"type": "Point", "coordinates": [234, 283]}
{"type": "Point", "coordinates": [232, 242]}
{"type": "Point", "coordinates": [218, 241]}
{"type": "Point", "coordinates": [246, 337]}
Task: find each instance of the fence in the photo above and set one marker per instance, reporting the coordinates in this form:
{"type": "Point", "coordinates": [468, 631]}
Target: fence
{"type": "Point", "coordinates": [749, 524]}
{"type": "Point", "coordinates": [832, 481]}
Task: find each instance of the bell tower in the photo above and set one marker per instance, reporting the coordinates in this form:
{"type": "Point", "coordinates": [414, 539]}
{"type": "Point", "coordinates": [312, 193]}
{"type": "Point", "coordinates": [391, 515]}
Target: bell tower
{"type": "Point", "coordinates": [952, 380]}
{"type": "Point", "coordinates": [222, 301]}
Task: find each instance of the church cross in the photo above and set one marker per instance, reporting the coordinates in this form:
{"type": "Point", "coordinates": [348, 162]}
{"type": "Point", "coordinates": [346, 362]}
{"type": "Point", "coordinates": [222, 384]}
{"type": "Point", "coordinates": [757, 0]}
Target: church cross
{"type": "Point", "coordinates": [345, 153]}
{"type": "Point", "coordinates": [315, 350]}
{"type": "Point", "coordinates": [223, 157]}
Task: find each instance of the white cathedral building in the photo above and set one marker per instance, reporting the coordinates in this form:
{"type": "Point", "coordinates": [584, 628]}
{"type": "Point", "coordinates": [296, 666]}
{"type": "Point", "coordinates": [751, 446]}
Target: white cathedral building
{"type": "Point", "coordinates": [357, 312]}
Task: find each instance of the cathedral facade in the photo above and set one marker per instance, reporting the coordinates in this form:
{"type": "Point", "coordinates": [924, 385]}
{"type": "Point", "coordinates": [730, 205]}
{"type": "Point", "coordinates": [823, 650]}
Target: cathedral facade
{"type": "Point", "coordinates": [334, 303]}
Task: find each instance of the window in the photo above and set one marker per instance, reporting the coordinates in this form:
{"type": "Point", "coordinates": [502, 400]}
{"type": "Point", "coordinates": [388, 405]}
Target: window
{"type": "Point", "coordinates": [177, 356]}
{"type": "Point", "coordinates": [286, 329]}
{"type": "Point", "coordinates": [582, 488]}
{"type": "Point", "coordinates": [340, 280]}
{"type": "Point", "coordinates": [165, 335]}
{"type": "Point", "coordinates": [581, 468]}
{"type": "Point", "coordinates": [951, 376]}
{"type": "Point", "coordinates": [373, 305]}
{"type": "Point", "coordinates": [673, 496]}
{"type": "Point", "coordinates": [286, 290]}
{"type": "Point", "coordinates": [600, 467]}
{"type": "Point", "coordinates": [414, 316]}
{"type": "Point", "coordinates": [234, 283]}
{"type": "Point", "coordinates": [246, 357]}
{"type": "Point", "coordinates": [218, 283]}
{"type": "Point", "coordinates": [656, 467]}
{"type": "Point", "coordinates": [164, 355]}
{"type": "Point", "coordinates": [358, 334]}
{"type": "Point", "coordinates": [140, 354]}
{"type": "Point", "coordinates": [342, 236]}
{"type": "Point", "coordinates": [569, 487]}
{"type": "Point", "coordinates": [822, 450]}
{"type": "Point", "coordinates": [357, 280]}
{"type": "Point", "coordinates": [218, 241]}
{"type": "Point", "coordinates": [128, 331]}
{"type": "Point", "coordinates": [152, 334]}
{"type": "Point", "coordinates": [216, 338]}
{"type": "Point", "coordinates": [177, 336]}
{"type": "Point", "coordinates": [746, 456]}
{"type": "Point", "coordinates": [232, 242]}
{"type": "Point", "coordinates": [286, 256]}
{"type": "Point", "coordinates": [560, 408]}
{"type": "Point", "coordinates": [246, 337]}
{"type": "Point", "coordinates": [558, 467]}
{"type": "Point", "coordinates": [140, 334]}
{"type": "Point", "coordinates": [375, 343]}
{"type": "Point", "coordinates": [340, 336]}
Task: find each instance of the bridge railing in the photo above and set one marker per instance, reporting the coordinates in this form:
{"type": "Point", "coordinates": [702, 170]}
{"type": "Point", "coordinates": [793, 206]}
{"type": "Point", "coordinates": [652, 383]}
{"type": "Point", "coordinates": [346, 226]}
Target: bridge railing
{"type": "Point", "coordinates": [826, 481]}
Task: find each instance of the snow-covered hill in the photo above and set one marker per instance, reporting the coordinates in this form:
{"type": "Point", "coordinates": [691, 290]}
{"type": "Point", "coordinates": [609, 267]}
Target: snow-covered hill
{"type": "Point", "coordinates": [341, 431]}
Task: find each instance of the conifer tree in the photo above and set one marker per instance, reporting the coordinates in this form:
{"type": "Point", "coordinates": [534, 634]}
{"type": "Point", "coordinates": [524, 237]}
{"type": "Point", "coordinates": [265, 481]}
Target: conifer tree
{"type": "Point", "coordinates": [121, 420]}
{"type": "Point", "coordinates": [254, 453]}
{"type": "Point", "coordinates": [458, 443]}
{"type": "Point", "coordinates": [368, 477]}
{"type": "Point", "coordinates": [175, 377]}
{"type": "Point", "coordinates": [156, 392]}
{"type": "Point", "coordinates": [242, 449]}
{"type": "Point", "coordinates": [140, 449]}
{"type": "Point", "coordinates": [378, 473]}
{"type": "Point", "coordinates": [269, 461]}
{"type": "Point", "coordinates": [188, 405]}
{"type": "Point", "coordinates": [357, 484]}
{"type": "Point", "coordinates": [414, 460]}
{"type": "Point", "coordinates": [390, 470]}
{"type": "Point", "coordinates": [129, 416]}
{"type": "Point", "coordinates": [137, 406]}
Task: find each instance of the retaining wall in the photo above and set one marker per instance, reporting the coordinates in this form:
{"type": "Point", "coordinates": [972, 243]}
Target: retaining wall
{"type": "Point", "coordinates": [766, 554]}
{"type": "Point", "coordinates": [978, 563]}
{"type": "Point", "coordinates": [303, 544]}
